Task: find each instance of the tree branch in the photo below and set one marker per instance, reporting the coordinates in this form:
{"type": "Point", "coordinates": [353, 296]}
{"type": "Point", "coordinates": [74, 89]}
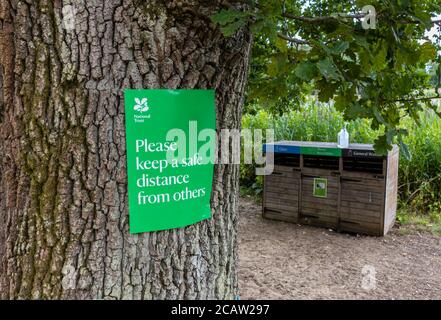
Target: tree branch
{"type": "Point", "coordinates": [438, 22]}
{"type": "Point", "coordinates": [293, 40]}
{"type": "Point", "coordinates": [418, 99]}
{"type": "Point", "coordinates": [347, 16]}
{"type": "Point", "coordinates": [321, 18]}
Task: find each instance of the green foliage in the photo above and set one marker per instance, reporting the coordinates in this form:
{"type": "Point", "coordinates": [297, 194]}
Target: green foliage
{"type": "Point", "coordinates": [314, 122]}
{"type": "Point", "coordinates": [419, 177]}
{"type": "Point", "coordinates": [328, 70]}
{"type": "Point", "coordinates": [305, 70]}
{"type": "Point", "coordinates": [407, 218]}
{"type": "Point", "coordinates": [231, 20]}
{"type": "Point", "coordinates": [380, 74]}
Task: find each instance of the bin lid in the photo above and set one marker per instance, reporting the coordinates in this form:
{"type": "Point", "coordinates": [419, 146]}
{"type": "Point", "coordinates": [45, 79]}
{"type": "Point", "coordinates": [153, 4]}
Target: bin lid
{"type": "Point", "coordinates": [281, 148]}
{"type": "Point", "coordinates": [305, 147]}
{"type": "Point", "coordinates": [323, 148]}
{"type": "Point", "coordinates": [360, 150]}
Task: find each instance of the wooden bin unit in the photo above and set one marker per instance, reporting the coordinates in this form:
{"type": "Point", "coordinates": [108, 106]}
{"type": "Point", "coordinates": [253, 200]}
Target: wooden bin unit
{"type": "Point", "coordinates": [319, 184]}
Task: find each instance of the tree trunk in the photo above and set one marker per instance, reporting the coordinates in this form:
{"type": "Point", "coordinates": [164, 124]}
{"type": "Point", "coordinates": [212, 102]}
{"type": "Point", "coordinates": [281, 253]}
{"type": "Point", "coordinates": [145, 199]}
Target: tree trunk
{"type": "Point", "coordinates": [63, 183]}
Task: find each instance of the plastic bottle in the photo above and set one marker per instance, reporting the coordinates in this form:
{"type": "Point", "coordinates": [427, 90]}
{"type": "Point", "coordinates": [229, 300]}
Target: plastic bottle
{"type": "Point", "coordinates": [343, 138]}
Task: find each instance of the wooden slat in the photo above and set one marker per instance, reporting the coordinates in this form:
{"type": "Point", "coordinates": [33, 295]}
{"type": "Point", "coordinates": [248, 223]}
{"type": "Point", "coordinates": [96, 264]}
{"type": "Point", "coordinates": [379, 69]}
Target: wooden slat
{"type": "Point", "coordinates": [363, 166]}
{"type": "Point", "coordinates": [282, 207]}
{"type": "Point", "coordinates": [282, 180]}
{"type": "Point", "coordinates": [280, 214]}
{"type": "Point", "coordinates": [360, 186]}
{"type": "Point", "coordinates": [321, 206]}
{"type": "Point", "coordinates": [391, 190]}
{"type": "Point", "coordinates": [377, 182]}
{"type": "Point", "coordinates": [360, 215]}
{"type": "Point", "coordinates": [289, 176]}
{"type": "Point", "coordinates": [359, 218]}
{"type": "Point", "coordinates": [367, 212]}
{"type": "Point", "coordinates": [361, 175]}
{"type": "Point", "coordinates": [282, 175]}
{"type": "Point", "coordinates": [281, 189]}
{"type": "Point", "coordinates": [279, 217]}
{"type": "Point", "coordinates": [282, 184]}
{"type": "Point", "coordinates": [281, 210]}
{"type": "Point", "coordinates": [324, 173]}
{"type": "Point", "coordinates": [311, 199]}
{"type": "Point", "coordinates": [360, 227]}
{"type": "Point", "coordinates": [282, 196]}
{"type": "Point", "coordinates": [320, 221]}
{"type": "Point", "coordinates": [319, 212]}
{"type": "Point", "coordinates": [285, 169]}
{"type": "Point", "coordinates": [288, 206]}
{"type": "Point", "coordinates": [361, 205]}
{"type": "Point", "coordinates": [361, 196]}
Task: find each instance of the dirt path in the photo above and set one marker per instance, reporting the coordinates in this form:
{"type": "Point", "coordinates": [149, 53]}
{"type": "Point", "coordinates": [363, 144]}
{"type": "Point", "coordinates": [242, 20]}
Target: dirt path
{"type": "Point", "coordinates": [286, 261]}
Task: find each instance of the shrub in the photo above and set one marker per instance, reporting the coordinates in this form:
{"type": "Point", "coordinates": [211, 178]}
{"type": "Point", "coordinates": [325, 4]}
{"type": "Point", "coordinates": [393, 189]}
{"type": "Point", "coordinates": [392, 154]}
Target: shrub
{"type": "Point", "coordinates": [420, 177]}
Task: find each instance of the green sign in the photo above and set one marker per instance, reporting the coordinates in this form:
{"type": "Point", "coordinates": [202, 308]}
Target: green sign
{"type": "Point", "coordinates": [319, 151]}
{"type": "Point", "coordinates": [320, 187]}
{"type": "Point", "coordinates": [169, 161]}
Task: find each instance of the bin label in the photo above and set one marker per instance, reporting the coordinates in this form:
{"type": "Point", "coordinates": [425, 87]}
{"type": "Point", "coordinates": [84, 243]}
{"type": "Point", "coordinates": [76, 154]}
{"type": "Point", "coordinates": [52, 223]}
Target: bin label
{"type": "Point", "coordinates": [170, 171]}
{"type": "Point", "coordinates": [360, 153]}
{"type": "Point", "coordinates": [320, 187]}
{"type": "Point", "coordinates": [319, 151]}
{"type": "Point", "coordinates": [282, 149]}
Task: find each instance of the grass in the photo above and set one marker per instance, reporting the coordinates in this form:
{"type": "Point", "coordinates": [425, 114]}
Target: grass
{"type": "Point", "coordinates": [247, 192]}
{"type": "Point", "coordinates": [410, 221]}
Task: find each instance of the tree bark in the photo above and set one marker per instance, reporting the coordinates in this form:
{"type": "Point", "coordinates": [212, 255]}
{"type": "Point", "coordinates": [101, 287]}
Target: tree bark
{"type": "Point", "coordinates": [63, 184]}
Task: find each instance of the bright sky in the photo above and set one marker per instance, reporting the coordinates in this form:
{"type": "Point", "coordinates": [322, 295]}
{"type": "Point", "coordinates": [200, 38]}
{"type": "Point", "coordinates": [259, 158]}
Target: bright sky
{"type": "Point", "coordinates": [434, 30]}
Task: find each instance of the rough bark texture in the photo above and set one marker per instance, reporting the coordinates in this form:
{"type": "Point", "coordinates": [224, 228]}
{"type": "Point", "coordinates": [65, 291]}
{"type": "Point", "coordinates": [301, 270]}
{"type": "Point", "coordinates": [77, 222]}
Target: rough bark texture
{"type": "Point", "coordinates": [63, 190]}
